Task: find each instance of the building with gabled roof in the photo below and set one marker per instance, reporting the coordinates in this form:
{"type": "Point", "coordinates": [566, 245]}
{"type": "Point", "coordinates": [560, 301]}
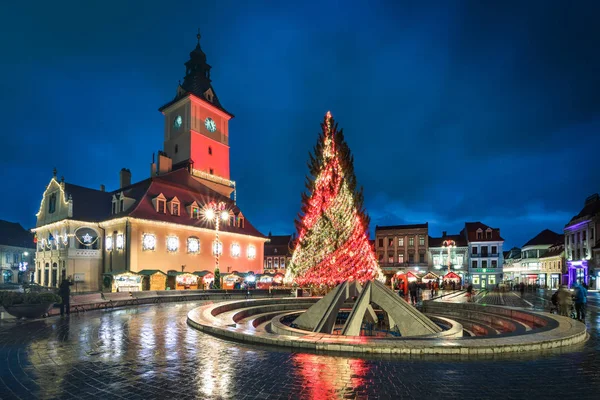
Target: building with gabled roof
{"type": "Point", "coordinates": [449, 253]}
{"type": "Point", "coordinates": [402, 248]}
{"type": "Point", "coordinates": [278, 253]}
{"type": "Point", "coordinates": [582, 245]}
{"type": "Point", "coordinates": [485, 255]}
{"type": "Point", "coordinates": [16, 253]}
{"type": "Point", "coordinates": [159, 223]}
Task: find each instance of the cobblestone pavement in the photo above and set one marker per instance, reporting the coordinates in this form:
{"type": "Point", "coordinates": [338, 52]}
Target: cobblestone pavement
{"type": "Point", "coordinates": [148, 352]}
{"type": "Point", "coordinates": [509, 299]}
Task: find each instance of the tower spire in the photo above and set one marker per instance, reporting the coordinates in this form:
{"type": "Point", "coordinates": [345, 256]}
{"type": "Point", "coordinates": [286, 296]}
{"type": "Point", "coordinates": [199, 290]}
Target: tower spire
{"type": "Point", "coordinates": [198, 37]}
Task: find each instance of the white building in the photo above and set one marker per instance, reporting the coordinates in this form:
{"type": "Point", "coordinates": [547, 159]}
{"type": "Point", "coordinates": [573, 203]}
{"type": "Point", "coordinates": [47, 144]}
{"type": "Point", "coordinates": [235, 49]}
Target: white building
{"type": "Point", "coordinates": [485, 254]}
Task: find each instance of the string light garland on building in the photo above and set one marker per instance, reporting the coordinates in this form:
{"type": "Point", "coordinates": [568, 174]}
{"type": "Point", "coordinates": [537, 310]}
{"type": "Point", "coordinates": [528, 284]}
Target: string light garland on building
{"type": "Point", "coordinates": [333, 242]}
{"type": "Point", "coordinates": [120, 242]}
{"type": "Point", "coordinates": [108, 243]}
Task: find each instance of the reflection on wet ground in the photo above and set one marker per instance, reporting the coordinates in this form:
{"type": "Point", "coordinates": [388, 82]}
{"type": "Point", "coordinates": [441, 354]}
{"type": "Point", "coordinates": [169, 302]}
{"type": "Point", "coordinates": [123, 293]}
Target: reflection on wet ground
{"type": "Point", "coordinates": [149, 352]}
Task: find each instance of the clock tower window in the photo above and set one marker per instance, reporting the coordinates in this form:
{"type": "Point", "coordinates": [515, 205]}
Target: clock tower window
{"type": "Point", "coordinates": [210, 151]}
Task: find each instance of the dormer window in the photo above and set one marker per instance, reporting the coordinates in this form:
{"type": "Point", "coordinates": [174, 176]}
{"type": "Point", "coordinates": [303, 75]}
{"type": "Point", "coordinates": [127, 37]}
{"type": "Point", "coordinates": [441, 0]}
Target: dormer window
{"type": "Point", "coordinates": [122, 204]}
{"type": "Point", "coordinates": [209, 95]}
{"type": "Point", "coordinates": [240, 221]}
{"type": "Point", "coordinates": [193, 210]}
{"type": "Point", "coordinates": [114, 207]}
{"type": "Point", "coordinates": [174, 206]}
{"type": "Point", "coordinates": [479, 234]}
{"type": "Point", "coordinates": [488, 234]}
{"type": "Point", "coordinates": [160, 203]}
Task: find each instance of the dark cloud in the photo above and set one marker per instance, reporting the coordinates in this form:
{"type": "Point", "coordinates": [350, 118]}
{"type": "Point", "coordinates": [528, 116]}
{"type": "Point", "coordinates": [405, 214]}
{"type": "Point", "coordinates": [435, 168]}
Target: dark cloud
{"type": "Point", "coordinates": [454, 110]}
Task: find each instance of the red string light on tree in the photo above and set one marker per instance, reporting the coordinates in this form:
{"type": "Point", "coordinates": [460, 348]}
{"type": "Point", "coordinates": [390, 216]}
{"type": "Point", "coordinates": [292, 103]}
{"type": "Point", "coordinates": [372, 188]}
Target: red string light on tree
{"type": "Point", "coordinates": [333, 240]}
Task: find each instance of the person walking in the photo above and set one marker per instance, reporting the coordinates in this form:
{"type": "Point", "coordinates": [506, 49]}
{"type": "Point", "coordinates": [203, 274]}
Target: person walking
{"type": "Point", "coordinates": [64, 291]}
{"type": "Point", "coordinates": [580, 301]}
{"type": "Point", "coordinates": [565, 301]}
{"type": "Point", "coordinates": [412, 288]}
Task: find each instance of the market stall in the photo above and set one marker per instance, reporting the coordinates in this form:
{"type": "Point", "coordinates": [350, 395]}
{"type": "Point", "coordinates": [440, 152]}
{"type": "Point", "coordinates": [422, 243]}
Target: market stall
{"type": "Point", "coordinates": [232, 280]}
{"type": "Point", "coordinates": [123, 281]}
{"type": "Point", "coordinates": [430, 277]}
{"type": "Point", "coordinates": [186, 281]}
{"type": "Point", "coordinates": [264, 281]}
{"type": "Point", "coordinates": [452, 277]}
{"type": "Point", "coordinates": [205, 278]}
{"type": "Point", "coordinates": [153, 279]}
{"type": "Point", "coordinates": [278, 279]}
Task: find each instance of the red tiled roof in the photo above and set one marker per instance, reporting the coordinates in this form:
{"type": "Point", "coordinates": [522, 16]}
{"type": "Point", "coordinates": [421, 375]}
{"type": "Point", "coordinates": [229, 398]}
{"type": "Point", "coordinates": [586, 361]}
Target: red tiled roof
{"type": "Point", "coordinates": [180, 184]}
{"type": "Point", "coordinates": [471, 229]}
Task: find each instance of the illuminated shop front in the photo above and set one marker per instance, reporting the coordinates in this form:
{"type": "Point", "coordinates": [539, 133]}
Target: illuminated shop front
{"type": "Point", "coordinates": [430, 277]}
{"type": "Point", "coordinates": [232, 281]}
{"type": "Point", "coordinates": [182, 281]}
{"type": "Point", "coordinates": [205, 279]}
{"type": "Point", "coordinates": [124, 281]}
{"type": "Point", "coordinates": [577, 272]}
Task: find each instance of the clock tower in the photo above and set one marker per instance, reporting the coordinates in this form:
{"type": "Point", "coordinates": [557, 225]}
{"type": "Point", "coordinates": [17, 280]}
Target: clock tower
{"type": "Point", "coordinates": [197, 126]}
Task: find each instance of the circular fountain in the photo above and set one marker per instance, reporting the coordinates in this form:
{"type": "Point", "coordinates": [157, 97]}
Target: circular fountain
{"type": "Point", "coordinates": [336, 323]}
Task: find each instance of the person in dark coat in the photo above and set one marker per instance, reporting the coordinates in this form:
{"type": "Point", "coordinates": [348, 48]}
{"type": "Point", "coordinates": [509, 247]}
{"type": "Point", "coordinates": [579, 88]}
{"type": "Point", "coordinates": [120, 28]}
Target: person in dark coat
{"type": "Point", "coordinates": [64, 291]}
{"type": "Point", "coordinates": [413, 289]}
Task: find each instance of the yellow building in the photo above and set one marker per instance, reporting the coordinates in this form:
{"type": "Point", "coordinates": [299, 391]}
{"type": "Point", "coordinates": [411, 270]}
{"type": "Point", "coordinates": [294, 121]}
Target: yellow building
{"type": "Point", "coordinates": [158, 223]}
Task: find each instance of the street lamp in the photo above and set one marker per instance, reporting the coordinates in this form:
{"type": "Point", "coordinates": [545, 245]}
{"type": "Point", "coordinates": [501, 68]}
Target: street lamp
{"type": "Point", "coordinates": [216, 212]}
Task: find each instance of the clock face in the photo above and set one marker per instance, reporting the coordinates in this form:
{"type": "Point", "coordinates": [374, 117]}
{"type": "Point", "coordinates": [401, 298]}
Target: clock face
{"type": "Point", "coordinates": [177, 122]}
{"type": "Point", "coordinates": [210, 124]}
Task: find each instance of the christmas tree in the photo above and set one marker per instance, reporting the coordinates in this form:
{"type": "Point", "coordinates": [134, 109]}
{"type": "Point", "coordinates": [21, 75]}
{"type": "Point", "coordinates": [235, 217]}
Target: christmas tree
{"type": "Point", "coordinates": [217, 281]}
{"type": "Point", "coordinates": [333, 242]}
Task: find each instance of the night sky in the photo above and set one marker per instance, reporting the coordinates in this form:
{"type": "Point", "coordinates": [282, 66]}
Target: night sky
{"type": "Point", "coordinates": [454, 111]}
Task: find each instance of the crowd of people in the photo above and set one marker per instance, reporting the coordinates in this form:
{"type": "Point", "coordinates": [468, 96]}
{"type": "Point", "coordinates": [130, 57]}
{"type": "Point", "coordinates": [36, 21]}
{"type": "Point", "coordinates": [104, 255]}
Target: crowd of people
{"type": "Point", "coordinates": [571, 304]}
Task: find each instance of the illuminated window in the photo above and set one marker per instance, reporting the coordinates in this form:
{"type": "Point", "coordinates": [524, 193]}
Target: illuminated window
{"type": "Point", "coordinates": [411, 241]}
{"type": "Point", "coordinates": [401, 258]}
{"type": "Point", "coordinates": [390, 242]}
{"type": "Point", "coordinates": [161, 206]}
{"type": "Point", "coordinates": [269, 263]}
{"type": "Point", "coordinates": [172, 243]}
{"type": "Point", "coordinates": [475, 279]}
{"type": "Point", "coordinates": [251, 252]}
{"type": "Point", "coordinates": [217, 248]}
{"type": "Point", "coordinates": [108, 243]}
{"type": "Point", "coordinates": [193, 245]}
{"type": "Point", "coordinates": [175, 209]}
{"type": "Point", "coordinates": [148, 241]}
{"type": "Point", "coordinates": [391, 258]}
{"type": "Point", "coordinates": [276, 263]}
{"type": "Point", "coordinates": [400, 241]}
{"type": "Point", "coordinates": [236, 250]}
{"type": "Point", "coordinates": [120, 241]}
{"type": "Point", "coordinates": [282, 262]}
{"type": "Point", "coordinates": [492, 279]}
{"type": "Point", "coordinates": [195, 212]}
{"type": "Point", "coordinates": [421, 240]}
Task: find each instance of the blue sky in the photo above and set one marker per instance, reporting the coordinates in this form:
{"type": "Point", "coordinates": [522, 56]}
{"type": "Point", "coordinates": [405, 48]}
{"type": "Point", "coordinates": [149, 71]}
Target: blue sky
{"type": "Point", "coordinates": [455, 111]}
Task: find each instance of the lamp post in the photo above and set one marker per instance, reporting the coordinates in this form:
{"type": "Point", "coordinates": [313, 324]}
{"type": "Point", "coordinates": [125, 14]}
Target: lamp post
{"type": "Point", "coordinates": [216, 212]}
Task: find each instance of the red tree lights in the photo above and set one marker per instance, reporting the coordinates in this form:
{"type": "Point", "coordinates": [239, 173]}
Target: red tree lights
{"type": "Point", "coordinates": [333, 242]}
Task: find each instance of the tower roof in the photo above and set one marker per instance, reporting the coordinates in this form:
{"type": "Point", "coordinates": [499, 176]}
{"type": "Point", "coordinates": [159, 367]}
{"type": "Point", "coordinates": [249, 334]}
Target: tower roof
{"type": "Point", "coordinates": [197, 80]}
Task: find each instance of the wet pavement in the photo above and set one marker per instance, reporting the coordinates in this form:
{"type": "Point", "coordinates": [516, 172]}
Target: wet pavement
{"type": "Point", "coordinates": [149, 352]}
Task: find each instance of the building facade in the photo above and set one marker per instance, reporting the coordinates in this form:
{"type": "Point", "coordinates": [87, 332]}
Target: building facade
{"type": "Point", "coordinates": [531, 252]}
{"type": "Point", "coordinates": [511, 265]}
{"type": "Point", "coordinates": [167, 222]}
{"type": "Point", "coordinates": [402, 248]}
{"type": "Point", "coordinates": [278, 253]}
{"type": "Point", "coordinates": [449, 253]}
{"type": "Point", "coordinates": [552, 265]}
{"type": "Point", "coordinates": [485, 255]}
{"type": "Point", "coordinates": [16, 253]}
{"type": "Point", "coordinates": [582, 246]}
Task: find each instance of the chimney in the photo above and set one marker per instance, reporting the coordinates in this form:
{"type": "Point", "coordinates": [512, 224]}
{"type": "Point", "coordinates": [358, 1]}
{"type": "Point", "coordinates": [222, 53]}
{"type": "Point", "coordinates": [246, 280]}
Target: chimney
{"type": "Point", "coordinates": [124, 178]}
{"type": "Point", "coordinates": [102, 188]}
{"type": "Point", "coordinates": [443, 233]}
{"type": "Point", "coordinates": [165, 164]}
